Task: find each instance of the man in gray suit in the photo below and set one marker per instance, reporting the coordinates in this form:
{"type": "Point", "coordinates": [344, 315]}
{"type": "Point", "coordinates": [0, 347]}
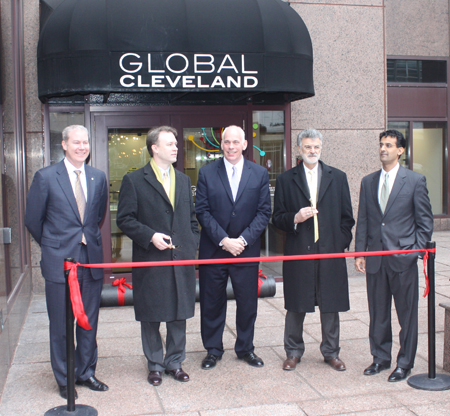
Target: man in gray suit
{"type": "Point", "coordinates": [394, 214]}
{"type": "Point", "coordinates": [156, 211]}
{"type": "Point", "coordinates": [53, 217]}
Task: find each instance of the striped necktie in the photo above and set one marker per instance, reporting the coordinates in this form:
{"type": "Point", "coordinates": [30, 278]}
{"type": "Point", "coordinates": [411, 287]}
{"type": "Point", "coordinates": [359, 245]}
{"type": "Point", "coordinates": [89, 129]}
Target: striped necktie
{"type": "Point", "coordinates": [81, 201]}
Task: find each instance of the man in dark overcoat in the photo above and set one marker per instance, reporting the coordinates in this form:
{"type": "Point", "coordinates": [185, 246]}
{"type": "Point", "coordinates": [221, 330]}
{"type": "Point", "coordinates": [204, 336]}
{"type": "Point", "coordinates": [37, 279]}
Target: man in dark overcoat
{"type": "Point", "coordinates": [313, 206]}
{"type": "Point", "coordinates": [156, 211]}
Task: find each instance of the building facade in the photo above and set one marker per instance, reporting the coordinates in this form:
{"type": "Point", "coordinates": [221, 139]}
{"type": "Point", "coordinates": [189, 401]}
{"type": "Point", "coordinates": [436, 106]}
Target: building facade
{"type": "Point", "coordinates": [376, 64]}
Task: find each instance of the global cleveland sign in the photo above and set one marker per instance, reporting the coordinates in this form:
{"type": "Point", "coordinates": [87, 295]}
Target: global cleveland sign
{"type": "Point", "coordinates": [187, 71]}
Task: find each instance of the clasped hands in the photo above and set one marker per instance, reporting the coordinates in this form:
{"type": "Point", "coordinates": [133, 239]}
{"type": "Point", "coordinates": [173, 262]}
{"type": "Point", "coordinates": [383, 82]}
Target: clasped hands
{"type": "Point", "coordinates": [233, 245]}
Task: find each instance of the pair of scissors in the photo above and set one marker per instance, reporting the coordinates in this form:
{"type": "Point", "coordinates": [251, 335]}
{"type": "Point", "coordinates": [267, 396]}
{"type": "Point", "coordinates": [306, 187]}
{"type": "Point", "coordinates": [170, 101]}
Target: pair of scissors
{"type": "Point", "coordinates": [171, 245]}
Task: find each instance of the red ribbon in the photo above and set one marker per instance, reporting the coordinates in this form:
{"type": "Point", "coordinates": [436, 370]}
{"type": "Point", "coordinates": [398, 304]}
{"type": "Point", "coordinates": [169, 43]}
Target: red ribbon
{"type": "Point", "coordinates": [120, 283]}
{"type": "Point", "coordinates": [427, 285]}
{"type": "Point", "coordinates": [75, 296]}
{"type": "Point", "coordinates": [252, 259]}
{"type": "Point", "coordinates": [260, 281]}
{"type": "Point", "coordinates": [78, 305]}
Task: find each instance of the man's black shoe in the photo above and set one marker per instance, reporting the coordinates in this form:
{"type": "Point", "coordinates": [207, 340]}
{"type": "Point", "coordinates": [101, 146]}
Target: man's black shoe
{"type": "Point", "coordinates": [375, 368]}
{"type": "Point", "coordinates": [63, 392]}
{"type": "Point", "coordinates": [93, 383]}
{"type": "Point", "coordinates": [399, 374]}
{"type": "Point", "coordinates": [210, 361]}
{"type": "Point", "coordinates": [252, 359]}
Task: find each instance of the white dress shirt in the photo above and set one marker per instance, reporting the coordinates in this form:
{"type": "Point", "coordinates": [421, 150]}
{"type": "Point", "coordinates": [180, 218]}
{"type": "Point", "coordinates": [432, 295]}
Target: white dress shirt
{"type": "Point", "coordinates": [392, 175]}
{"type": "Point", "coordinates": [229, 167]}
{"type": "Point", "coordinates": [73, 177]}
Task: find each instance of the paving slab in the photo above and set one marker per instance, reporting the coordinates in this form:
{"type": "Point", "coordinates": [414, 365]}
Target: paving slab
{"type": "Point", "coordinates": [234, 388]}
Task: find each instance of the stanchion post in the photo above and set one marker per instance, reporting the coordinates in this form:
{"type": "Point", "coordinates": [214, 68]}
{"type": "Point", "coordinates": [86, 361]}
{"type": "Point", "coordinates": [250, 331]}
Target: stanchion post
{"type": "Point", "coordinates": [431, 381]}
{"type": "Point", "coordinates": [70, 409]}
{"type": "Point", "coordinates": [70, 345]}
{"type": "Point", "coordinates": [431, 311]}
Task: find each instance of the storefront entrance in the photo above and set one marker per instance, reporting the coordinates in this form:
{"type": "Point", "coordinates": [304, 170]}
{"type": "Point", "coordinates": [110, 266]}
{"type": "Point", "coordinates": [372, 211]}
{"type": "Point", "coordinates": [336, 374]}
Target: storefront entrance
{"type": "Point", "coordinates": [119, 147]}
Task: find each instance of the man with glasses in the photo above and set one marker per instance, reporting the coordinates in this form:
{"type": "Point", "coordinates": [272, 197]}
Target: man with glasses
{"type": "Point", "coordinates": [394, 214]}
{"type": "Point", "coordinates": [312, 205]}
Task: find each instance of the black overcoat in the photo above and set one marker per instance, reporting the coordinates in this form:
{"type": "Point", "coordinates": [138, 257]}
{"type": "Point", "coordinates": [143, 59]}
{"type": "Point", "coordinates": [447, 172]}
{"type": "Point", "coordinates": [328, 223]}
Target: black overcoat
{"type": "Point", "coordinates": [160, 294]}
{"type": "Point", "coordinates": [335, 219]}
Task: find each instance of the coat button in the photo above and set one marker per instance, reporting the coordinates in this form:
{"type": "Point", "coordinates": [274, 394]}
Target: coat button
{"type": "Point", "coordinates": [167, 212]}
{"type": "Point", "coordinates": [309, 248]}
{"type": "Point", "coordinates": [382, 224]}
{"type": "Point", "coordinates": [233, 214]}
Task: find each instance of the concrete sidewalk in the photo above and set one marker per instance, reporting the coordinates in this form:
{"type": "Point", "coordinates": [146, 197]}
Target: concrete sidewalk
{"type": "Point", "coordinates": [234, 388]}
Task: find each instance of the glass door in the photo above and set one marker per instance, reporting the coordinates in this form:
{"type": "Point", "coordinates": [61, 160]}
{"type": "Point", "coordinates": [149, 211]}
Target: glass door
{"type": "Point", "coordinates": [119, 147]}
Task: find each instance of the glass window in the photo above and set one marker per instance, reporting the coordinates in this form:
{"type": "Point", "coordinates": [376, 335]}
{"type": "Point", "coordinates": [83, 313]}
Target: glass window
{"type": "Point", "coordinates": [428, 159]}
{"type": "Point", "coordinates": [127, 152]}
{"type": "Point", "coordinates": [58, 122]}
{"type": "Point", "coordinates": [426, 150]}
{"type": "Point", "coordinates": [268, 133]}
{"type": "Point", "coordinates": [201, 146]}
{"type": "Point", "coordinates": [402, 127]}
{"type": "Point", "coordinates": [420, 71]}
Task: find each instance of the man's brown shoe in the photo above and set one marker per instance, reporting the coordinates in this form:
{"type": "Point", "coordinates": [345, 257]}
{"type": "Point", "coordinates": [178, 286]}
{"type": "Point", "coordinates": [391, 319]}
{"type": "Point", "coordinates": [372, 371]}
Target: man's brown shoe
{"type": "Point", "coordinates": [336, 363]}
{"type": "Point", "coordinates": [290, 363]}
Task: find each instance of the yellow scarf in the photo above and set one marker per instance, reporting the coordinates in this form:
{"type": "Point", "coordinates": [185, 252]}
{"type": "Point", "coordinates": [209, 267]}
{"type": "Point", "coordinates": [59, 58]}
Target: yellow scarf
{"type": "Point", "coordinates": [158, 174]}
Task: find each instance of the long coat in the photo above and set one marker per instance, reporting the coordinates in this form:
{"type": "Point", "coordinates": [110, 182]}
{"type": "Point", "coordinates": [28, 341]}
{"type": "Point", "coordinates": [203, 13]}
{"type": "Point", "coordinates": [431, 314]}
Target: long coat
{"type": "Point", "coordinates": [335, 220]}
{"type": "Point", "coordinates": [167, 293]}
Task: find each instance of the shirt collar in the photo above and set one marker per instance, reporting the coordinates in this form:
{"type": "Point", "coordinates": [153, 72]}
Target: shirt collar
{"type": "Point", "coordinates": [314, 170]}
{"type": "Point", "coordinates": [229, 166]}
{"type": "Point", "coordinates": [71, 168]}
{"type": "Point", "coordinates": [392, 173]}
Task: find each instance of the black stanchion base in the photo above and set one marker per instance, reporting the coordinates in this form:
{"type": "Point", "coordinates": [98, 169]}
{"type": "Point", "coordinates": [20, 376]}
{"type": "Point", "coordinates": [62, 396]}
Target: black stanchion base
{"type": "Point", "coordinates": [80, 410]}
{"type": "Point", "coordinates": [423, 382]}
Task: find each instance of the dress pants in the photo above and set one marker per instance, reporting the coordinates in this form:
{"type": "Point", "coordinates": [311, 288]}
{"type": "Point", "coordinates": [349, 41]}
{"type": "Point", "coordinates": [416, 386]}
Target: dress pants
{"type": "Point", "coordinates": [213, 305]}
{"type": "Point", "coordinates": [86, 343]}
{"type": "Point", "coordinates": [153, 347]}
{"type": "Point", "coordinates": [404, 287]}
{"type": "Point", "coordinates": [293, 328]}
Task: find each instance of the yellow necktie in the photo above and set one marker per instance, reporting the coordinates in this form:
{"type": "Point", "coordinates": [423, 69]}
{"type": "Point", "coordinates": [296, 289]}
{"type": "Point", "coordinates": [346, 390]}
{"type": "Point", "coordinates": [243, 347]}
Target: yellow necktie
{"type": "Point", "coordinates": [313, 194]}
{"type": "Point", "coordinates": [166, 183]}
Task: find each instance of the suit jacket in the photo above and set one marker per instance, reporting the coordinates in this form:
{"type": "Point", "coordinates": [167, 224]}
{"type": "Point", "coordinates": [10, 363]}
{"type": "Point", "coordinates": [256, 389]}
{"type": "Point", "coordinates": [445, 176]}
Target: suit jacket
{"type": "Point", "coordinates": [160, 294]}
{"type": "Point", "coordinates": [406, 224]}
{"type": "Point", "coordinates": [53, 219]}
{"type": "Point", "coordinates": [222, 217]}
{"type": "Point", "coordinates": [335, 220]}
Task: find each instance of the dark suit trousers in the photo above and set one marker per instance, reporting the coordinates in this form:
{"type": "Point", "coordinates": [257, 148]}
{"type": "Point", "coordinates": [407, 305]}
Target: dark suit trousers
{"type": "Point", "coordinates": [293, 328]}
{"type": "Point", "coordinates": [404, 287]}
{"type": "Point", "coordinates": [86, 344]}
{"type": "Point", "coordinates": [213, 305]}
{"type": "Point", "coordinates": [153, 347]}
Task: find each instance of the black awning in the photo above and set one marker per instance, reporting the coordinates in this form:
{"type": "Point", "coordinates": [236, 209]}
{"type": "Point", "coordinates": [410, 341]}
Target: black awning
{"type": "Point", "coordinates": [183, 51]}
